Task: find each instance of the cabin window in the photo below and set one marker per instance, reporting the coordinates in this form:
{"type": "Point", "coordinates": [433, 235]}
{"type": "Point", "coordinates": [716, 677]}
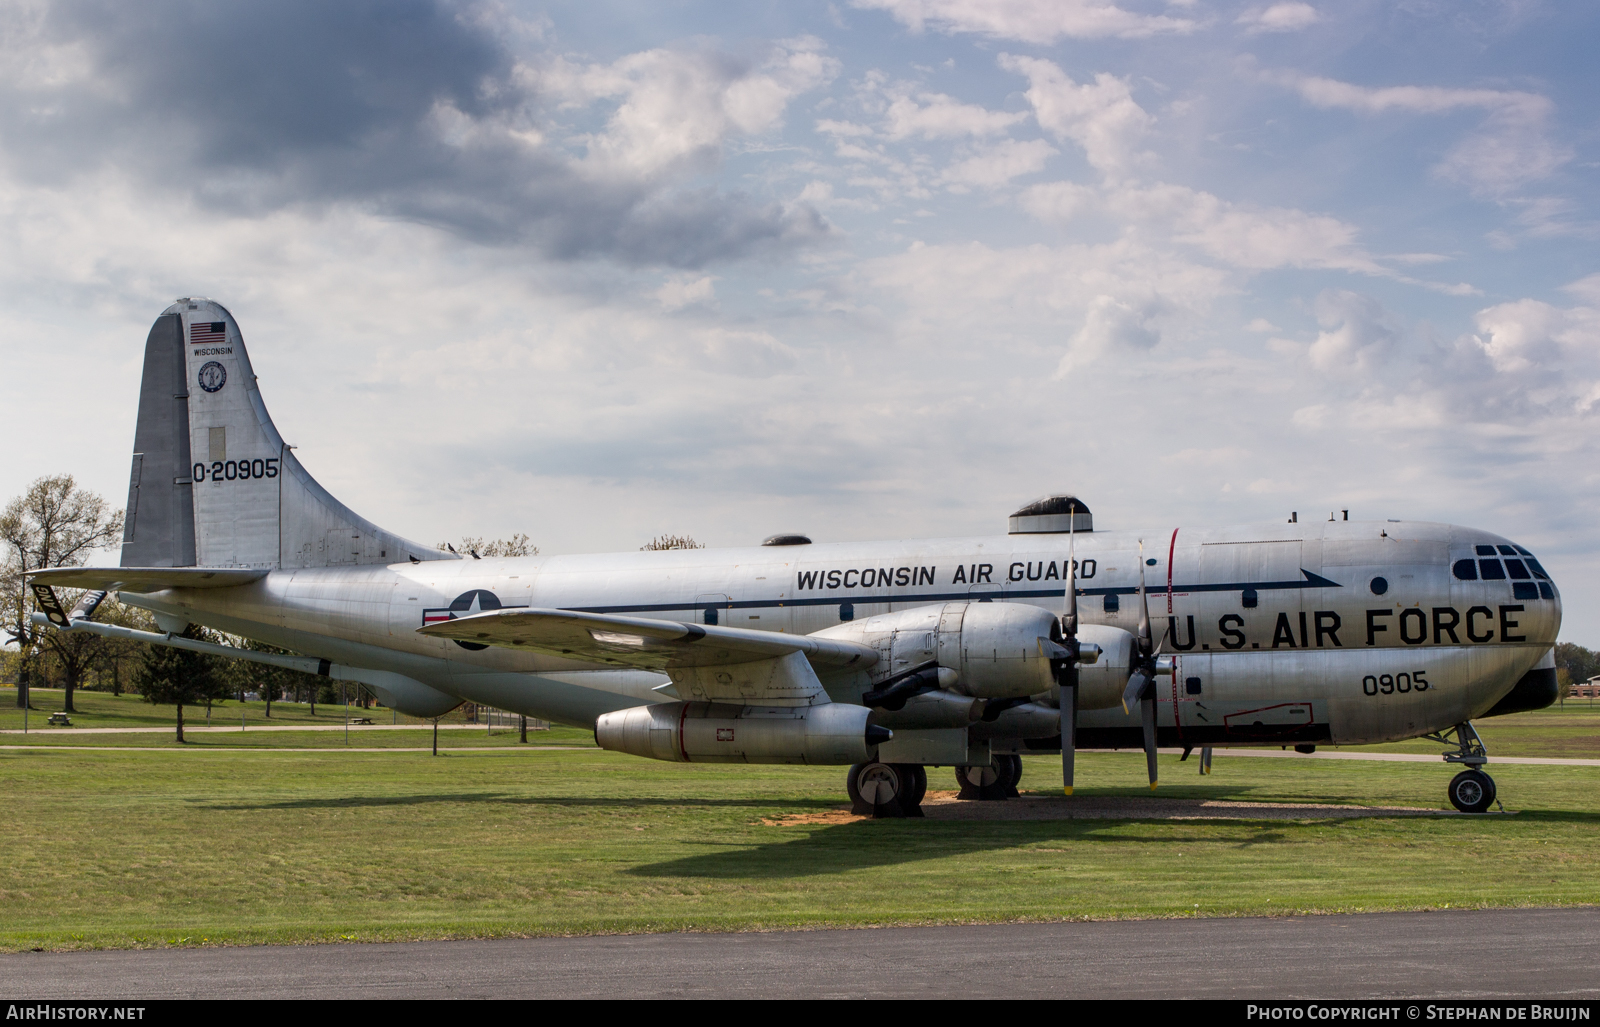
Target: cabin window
{"type": "Point", "coordinates": [1465, 570]}
{"type": "Point", "coordinates": [1518, 570]}
{"type": "Point", "coordinates": [847, 611]}
{"type": "Point", "coordinates": [1538, 569]}
{"type": "Point", "coordinates": [1191, 686]}
{"type": "Point", "coordinates": [711, 615]}
{"type": "Point", "coordinates": [1546, 591]}
{"type": "Point", "coordinates": [1491, 570]}
{"type": "Point", "coordinates": [1524, 590]}
{"type": "Point", "coordinates": [1486, 551]}
{"type": "Point", "coordinates": [1506, 551]}
{"type": "Point", "coordinates": [1249, 598]}
{"type": "Point", "coordinates": [1379, 586]}
{"type": "Point", "coordinates": [1112, 604]}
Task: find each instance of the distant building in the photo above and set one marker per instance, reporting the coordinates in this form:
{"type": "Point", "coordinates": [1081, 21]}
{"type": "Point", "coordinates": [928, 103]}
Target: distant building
{"type": "Point", "coordinates": [1587, 689]}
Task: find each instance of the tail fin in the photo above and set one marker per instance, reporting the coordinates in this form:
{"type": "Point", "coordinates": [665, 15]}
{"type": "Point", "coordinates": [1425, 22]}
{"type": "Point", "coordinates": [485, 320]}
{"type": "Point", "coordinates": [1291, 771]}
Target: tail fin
{"type": "Point", "coordinates": [213, 484]}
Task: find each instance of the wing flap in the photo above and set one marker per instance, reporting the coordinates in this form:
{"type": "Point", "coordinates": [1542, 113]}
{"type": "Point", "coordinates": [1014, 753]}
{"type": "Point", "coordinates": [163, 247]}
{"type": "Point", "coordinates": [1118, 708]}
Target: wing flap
{"type": "Point", "coordinates": [146, 579]}
{"type": "Point", "coordinates": [641, 643]}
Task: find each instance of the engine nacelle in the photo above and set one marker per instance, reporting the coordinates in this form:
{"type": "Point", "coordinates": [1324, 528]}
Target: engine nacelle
{"type": "Point", "coordinates": [994, 648]}
{"type": "Point", "coordinates": [1100, 683]}
{"type": "Point", "coordinates": [704, 732]}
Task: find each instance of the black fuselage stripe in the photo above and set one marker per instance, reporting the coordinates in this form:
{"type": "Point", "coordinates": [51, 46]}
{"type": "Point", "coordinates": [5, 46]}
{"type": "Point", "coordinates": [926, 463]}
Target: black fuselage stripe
{"type": "Point", "coordinates": [946, 597]}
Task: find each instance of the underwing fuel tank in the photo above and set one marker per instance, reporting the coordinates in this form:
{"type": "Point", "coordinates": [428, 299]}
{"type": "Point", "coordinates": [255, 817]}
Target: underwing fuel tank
{"type": "Point", "coordinates": [704, 732]}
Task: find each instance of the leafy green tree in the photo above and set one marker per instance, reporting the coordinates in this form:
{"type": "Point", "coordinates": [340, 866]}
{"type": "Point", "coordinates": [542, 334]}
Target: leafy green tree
{"type": "Point", "coordinates": [1575, 663]}
{"type": "Point", "coordinates": [270, 682]}
{"type": "Point", "coordinates": [178, 677]}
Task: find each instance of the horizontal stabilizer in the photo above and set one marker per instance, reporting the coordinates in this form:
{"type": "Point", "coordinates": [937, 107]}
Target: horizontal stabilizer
{"type": "Point", "coordinates": [146, 579]}
{"type": "Point", "coordinates": [397, 691]}
{"type": "Point", "coordinates": [658, 645]}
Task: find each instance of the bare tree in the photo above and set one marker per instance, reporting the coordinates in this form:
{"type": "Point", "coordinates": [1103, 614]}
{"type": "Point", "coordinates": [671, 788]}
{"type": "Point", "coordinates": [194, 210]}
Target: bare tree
{"type": "Point", "coordinates": [672, 542]}
{"type": "Point", "coordinates": [475, 545]}
{"type": "Point", "coordinates": [53, 524]}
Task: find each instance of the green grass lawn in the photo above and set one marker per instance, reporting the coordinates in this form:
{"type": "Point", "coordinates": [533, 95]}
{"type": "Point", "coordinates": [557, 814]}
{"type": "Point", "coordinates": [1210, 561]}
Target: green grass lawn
{"type": "Point", "coordinates": [102, 709]}
{"type": "Point", "coordinates": [211, 846]}
{"type": "Point", "coordinates": [1571, 731]}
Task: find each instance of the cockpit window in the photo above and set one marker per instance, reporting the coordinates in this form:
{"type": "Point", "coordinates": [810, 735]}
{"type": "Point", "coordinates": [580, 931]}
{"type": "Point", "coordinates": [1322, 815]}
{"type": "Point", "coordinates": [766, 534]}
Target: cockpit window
{"type": "Point", "coordinates": [1528, 578]}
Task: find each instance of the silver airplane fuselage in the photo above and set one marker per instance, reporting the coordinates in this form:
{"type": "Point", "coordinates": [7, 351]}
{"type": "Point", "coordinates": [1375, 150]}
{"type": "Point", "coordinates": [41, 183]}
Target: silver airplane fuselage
{"type": "Point", "coordinates": [1339, 632]}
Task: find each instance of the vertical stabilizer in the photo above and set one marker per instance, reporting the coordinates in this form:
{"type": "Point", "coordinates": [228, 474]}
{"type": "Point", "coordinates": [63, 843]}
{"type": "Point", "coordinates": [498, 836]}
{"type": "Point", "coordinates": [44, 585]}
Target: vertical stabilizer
{"type": "Point", "coordinates": [159, 529]}
{"type": "Point", "coordinates": [212, 483]}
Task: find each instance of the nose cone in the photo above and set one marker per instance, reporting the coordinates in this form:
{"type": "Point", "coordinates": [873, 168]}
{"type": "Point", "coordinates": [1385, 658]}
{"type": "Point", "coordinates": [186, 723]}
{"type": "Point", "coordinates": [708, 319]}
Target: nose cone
{"type": "Point", "coordinates": [1490, 569]}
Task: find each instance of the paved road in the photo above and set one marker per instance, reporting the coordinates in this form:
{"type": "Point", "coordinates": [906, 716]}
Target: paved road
{"type": "Point", "coordinates": [1523, 953]}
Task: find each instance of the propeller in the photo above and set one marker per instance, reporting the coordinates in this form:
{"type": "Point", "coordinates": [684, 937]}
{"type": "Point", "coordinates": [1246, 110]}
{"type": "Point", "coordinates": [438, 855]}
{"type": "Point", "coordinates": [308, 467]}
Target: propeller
{"type": "Point", "coordinates": [1068, 676]}
{"type": "Point", "coordinates": [1142, 682]}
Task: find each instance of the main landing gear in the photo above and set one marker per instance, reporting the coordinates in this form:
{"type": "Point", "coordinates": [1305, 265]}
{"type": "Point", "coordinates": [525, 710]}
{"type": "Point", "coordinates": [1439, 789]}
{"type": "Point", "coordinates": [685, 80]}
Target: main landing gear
{"type": "Point", "coordinates": [1471, 791]}
{"type": "Point", "coordinates": [887, 789]}
{"type": "Point", "coordinates": [897, 789]}
{"type": "Point", "coordinates": [996, 781]}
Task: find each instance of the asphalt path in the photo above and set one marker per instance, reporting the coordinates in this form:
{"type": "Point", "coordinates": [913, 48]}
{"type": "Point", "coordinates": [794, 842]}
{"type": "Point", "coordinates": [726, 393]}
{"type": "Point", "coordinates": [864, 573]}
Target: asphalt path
{"type": "Point", "coordinates": [1545, 954]}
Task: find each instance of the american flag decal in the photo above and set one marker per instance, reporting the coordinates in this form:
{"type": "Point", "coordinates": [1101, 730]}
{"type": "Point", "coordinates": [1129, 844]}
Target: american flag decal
{"type": "Point", "coordinates": [207, 332]}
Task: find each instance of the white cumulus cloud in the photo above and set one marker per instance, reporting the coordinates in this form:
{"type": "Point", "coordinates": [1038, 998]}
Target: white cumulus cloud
{"type": "Point", "coordinates": [1283, 17]}
{"type": "Point", "coordinates": [1511, 148]}
{"type": "Point", "coordinates": [1101, 116]}
{"type": "Point", "coordinates": [1030, 21]}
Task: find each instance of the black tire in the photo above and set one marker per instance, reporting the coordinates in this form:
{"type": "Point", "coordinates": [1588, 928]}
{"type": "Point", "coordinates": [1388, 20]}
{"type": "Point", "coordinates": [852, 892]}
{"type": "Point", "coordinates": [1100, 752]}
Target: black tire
{"type": "Point", "coordinates": [918, 789]}
{"type": "Point", "coordinates": [1010, 765]}
{"type": "Point", "coordinates": [977, 777]}
{"type": "Point", "coordinates": [852, 785]}
{"type": "Point", "coordinates": [876, 788]}
{"type": "Point", "coordinates": [982, 783]}
{"type": "Point", "coordinates": [1472, 791]}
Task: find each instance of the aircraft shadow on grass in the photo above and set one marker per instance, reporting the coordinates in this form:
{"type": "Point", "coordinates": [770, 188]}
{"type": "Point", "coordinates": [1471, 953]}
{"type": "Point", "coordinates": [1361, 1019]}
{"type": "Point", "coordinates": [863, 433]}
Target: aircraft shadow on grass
{"type": "Point", "coordinates": [865, 845]}
{"type": "Point", "coordinates": [579, 801]}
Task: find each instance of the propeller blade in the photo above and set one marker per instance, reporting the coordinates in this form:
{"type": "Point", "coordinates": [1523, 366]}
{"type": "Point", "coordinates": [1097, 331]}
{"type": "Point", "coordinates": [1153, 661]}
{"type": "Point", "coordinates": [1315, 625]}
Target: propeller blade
{"type": "Point", "coordinates": [1138, 681]}
{"type": "Point", "coordinates": [1069, 686]}
{"type": "Point", "coordinates": [1145, 643]}
{"type": "Point", "coordinates": [1148, 710]}
{"type": "Point", "coordinates": [1069, 619]}
{"type": "Point", "coordinates": [1069, 735]}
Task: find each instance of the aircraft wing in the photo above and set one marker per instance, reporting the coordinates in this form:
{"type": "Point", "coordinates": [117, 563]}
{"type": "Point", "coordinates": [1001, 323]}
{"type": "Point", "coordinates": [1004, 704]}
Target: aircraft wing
{"type": "Point", "coordinates": [146, 579]}
{"type": "Point", "coordinates": [658, 645]}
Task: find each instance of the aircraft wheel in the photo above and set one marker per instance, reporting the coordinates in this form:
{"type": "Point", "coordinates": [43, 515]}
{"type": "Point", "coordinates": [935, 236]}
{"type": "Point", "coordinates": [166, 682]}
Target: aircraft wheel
{"type": "Point", "coordinates": [876, 789]}
{"type": "Point", "coordinates": [983, 783]}
{"type": "Point", "coordinates": [919, 783]}
{"type": "Point", "coordinates": [1472, 791]}
{"type": "Point", "coordinates": [914, 782]}
{"type": "Point", "coordinates": [1010, 767]}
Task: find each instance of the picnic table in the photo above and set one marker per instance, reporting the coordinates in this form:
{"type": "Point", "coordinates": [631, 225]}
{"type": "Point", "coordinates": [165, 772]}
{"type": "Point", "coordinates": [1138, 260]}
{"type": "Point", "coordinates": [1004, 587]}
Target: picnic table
{"type": "Point", "coordinates": [61, 719]}
{"type": "Point", "coordinates": [360, 720]}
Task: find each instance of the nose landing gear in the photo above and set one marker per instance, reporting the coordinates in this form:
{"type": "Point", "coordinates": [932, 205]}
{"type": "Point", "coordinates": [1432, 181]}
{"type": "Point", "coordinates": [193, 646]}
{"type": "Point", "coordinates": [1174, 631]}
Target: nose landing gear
{"type": "Point", "coordinates": [1471, 791]}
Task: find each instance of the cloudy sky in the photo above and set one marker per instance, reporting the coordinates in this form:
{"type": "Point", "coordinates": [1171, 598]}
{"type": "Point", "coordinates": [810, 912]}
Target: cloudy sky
{"type": "Point", "coordinates": [596, 271]}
